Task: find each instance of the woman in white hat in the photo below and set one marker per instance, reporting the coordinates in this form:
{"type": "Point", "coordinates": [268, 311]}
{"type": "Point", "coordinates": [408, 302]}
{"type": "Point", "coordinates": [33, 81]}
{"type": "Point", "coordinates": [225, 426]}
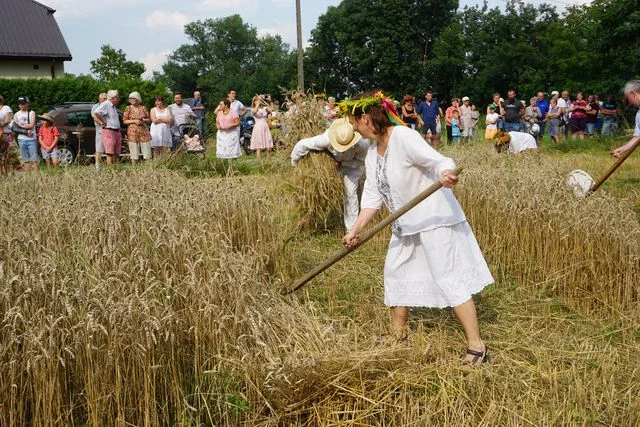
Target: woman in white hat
{"type": "Point", "coordinates": [433, 258]}
{"type": "Point", "coordinates": [136, 117]}
{"type": "Point", "coordinates": [349, 150]}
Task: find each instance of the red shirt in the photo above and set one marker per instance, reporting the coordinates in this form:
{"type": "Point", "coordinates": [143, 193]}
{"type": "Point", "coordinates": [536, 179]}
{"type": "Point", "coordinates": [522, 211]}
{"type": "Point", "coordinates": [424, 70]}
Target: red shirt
{"type": "Point", "coordinates": [47, 136]}
{"type": "Point", "coordinates": [579, 109]}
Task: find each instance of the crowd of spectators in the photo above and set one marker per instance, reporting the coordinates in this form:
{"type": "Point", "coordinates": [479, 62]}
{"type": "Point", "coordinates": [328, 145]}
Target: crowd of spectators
{"type": "Point", "coordinates": [554, 114]}
{"type": "Point", "coordinates": [158, 131]}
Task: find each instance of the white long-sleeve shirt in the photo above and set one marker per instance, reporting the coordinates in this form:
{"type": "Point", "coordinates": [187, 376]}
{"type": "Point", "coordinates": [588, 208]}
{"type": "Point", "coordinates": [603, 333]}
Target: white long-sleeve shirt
{"type": "Point", "coordinates": [412, 166]}
{"type": "Point", "coordinates": [353, 158]}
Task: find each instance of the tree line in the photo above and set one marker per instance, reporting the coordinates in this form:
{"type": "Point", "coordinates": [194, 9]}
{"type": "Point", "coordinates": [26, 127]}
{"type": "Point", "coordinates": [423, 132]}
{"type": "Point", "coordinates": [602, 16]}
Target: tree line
{"type": "Point", "coordinates": [409, 46]}
{"type": "Point", "coordinates": [400, 46]}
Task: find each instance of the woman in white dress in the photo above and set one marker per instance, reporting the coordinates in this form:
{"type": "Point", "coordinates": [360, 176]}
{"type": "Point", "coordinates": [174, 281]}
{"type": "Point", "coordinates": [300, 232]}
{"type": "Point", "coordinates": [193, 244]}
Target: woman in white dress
{"type": "Point", "coordinates": [433, 258]}
{"type": "Point", "coordinates": [160, 132]}
{"type": "Point", "coordinates": [227, 137]}
{"type": "Point", "coordinates": [261, 135]}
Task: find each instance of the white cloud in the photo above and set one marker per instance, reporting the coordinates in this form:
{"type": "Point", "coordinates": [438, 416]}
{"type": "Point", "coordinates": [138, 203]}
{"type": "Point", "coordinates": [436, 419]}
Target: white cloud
{"type": "Point", "coordinates": [229, 6]}
{"type": "Point", "coordinates": [153, 61]}
{"type": "Point", "coordinates": [82, 8]}
{"type": "Point", "coordinates": [162, 19]}
{"type": "Point", "coordinates": [283, 3]}
{"type": "Point", "coordinates": [286, 31]}
{"type": "Point", "coordinates": [262, 32]}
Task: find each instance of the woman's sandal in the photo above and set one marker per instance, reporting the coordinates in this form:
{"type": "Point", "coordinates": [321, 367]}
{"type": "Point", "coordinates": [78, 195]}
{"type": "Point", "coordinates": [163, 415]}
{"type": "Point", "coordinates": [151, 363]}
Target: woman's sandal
{"type": "Point", "coordinates": [479, 357]}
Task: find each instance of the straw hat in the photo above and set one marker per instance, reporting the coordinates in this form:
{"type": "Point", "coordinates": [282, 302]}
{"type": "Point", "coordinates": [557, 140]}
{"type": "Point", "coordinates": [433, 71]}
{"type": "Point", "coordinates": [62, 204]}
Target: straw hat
{"type": "Point", "coordinates": [46, 117]}
{"type": "Point", "coordinates": [342, 136]}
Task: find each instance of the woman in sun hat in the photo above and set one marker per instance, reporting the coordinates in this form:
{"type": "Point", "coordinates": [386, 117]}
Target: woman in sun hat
{"type": "Point", "coordinates": [433, 258]}
{"type": "Point", "coordinates": [48, 138]}
{"type": "Point", "coordinates": [349, 151]}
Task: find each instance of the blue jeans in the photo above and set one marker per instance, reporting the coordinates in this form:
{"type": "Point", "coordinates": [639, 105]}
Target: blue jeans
{"type": "Point", "coordinates": [542, 126]}
{"type": "Point", "coordinates": [512, 127]}
{"type": "Point", "coordinates": [201, 123]}
{"type": "Point", "coordinates": [591, 129]}
{"type": "Point", "coordinates": [175, 141]}
{"type": "Point", "coordinates": [28, 150]}
{"type": "Point", "coordinates": [609, 127]}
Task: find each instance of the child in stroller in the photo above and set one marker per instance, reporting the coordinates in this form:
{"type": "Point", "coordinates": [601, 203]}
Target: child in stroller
{"type": "Point", "coordinates": [190, 138]}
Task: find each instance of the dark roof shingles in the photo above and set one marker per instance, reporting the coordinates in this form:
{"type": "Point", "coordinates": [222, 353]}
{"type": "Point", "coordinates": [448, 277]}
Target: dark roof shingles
{"type": "Point", "coordinates": [28, 29]}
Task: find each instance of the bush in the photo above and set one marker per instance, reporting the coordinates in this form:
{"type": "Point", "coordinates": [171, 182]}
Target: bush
{"type": "Point", "coordinates": [45, 93]}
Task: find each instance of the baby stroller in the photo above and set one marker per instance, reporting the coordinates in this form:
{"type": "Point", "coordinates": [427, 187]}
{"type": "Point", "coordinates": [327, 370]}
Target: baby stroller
{"type": "Point", "coordinates": [190, 139]}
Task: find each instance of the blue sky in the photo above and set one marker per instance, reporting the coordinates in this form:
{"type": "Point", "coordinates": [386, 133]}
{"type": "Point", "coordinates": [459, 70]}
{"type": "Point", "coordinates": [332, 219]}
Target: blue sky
{"type": "Point", "coordinates": [148, 30]}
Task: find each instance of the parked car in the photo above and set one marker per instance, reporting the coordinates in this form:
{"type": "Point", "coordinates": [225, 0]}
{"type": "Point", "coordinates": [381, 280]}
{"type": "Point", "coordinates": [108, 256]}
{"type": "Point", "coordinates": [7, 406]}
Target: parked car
{"type": "Point", "coordinates": [74, 120]}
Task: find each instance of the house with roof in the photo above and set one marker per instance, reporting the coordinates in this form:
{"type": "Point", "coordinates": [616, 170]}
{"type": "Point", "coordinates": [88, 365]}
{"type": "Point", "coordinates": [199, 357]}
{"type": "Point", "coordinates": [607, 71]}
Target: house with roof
{"type": "Point", "coordinates": [31, 43]}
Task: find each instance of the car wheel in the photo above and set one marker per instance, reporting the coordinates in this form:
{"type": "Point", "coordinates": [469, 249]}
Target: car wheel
{"type": "Point", "coordinates": [66, 155]}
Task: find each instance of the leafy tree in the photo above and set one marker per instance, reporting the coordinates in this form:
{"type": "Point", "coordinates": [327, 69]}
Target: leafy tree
{"type": "Point", "coordinates": [227, 53]}
{"type": "Point", "coordinates": [113, 65]}
{"type": "Point", "coordinates": [364, 44]}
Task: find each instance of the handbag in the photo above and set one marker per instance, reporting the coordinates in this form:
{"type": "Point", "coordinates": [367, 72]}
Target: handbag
{"type": "Point", "coordinates": [563, 120]}
{"type": "Point", "coordinates": [16, 128]}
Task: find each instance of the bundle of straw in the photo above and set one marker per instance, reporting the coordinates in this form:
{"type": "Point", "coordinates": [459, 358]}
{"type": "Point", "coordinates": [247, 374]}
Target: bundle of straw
{"type": "Point", "coordinates": [318, 188]}
{"type": "Point", "coordinates": [305, 122]}
{"type": "Point", "coordinates": [316, 180]}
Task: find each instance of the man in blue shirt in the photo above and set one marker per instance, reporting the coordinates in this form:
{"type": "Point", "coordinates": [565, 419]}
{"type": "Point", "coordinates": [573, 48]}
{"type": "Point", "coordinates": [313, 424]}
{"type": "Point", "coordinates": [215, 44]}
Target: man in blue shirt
{"type": "Point", "coordinates": [610, 116]}
{"type": "Point", "coordinates": [198, 109]}
{"type": "Point", "coordinates": [429, 109]}
{"type": "Point", "coordinates": [543, 106]}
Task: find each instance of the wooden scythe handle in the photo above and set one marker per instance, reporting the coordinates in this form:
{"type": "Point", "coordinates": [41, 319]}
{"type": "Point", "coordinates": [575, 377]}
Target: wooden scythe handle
{"type": "Point", "coordinates": [613, 168]}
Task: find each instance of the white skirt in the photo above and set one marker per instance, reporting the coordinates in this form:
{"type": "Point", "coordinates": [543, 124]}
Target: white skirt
{"type": "Point", "coordinates": [160, 135]}
{"type": "Point", "coordinates": [438, 268]}
{"type": "Point", "coordinates": [228, 144]}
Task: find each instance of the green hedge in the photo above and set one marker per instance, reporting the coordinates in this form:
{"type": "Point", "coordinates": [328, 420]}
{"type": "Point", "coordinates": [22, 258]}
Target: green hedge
{"type": "Point", "coordinates": [45, 93]}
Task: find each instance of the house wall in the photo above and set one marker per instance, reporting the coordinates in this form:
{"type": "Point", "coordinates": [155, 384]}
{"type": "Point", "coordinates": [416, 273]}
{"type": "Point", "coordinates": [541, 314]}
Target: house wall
{"type": "Point", "coordinates": [24, 69]}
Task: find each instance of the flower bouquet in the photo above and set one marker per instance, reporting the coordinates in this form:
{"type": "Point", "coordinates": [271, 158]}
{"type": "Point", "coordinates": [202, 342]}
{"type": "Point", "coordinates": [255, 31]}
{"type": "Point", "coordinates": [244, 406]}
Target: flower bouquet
{"type": "Point", "coordinates": [501, 141]}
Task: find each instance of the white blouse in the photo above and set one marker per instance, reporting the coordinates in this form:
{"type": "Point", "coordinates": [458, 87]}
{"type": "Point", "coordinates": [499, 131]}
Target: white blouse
{"type": "Point", "coordinates": [412, 166]}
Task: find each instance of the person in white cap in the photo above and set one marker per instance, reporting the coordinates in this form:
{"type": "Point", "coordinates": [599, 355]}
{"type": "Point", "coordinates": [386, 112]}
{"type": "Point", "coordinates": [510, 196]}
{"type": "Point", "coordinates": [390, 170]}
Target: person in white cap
{"type": "Point", "coordinates": [465, 117]}
{"type": "Point", "coordinates": [349, 150]}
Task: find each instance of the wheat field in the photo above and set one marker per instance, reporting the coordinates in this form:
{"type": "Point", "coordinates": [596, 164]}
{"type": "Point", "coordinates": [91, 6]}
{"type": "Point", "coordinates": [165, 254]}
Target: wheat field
{"type": "Point", "coordinates": [144, 297]}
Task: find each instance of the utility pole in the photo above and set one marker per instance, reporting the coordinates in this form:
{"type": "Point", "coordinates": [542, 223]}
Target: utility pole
{"type": "Point", "coordinates": [300, 50]}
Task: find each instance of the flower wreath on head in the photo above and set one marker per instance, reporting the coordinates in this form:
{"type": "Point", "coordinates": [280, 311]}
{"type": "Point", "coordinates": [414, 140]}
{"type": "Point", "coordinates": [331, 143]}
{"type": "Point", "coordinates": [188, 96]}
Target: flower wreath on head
{"type": "Point", "coordinates": [347, 107]}
{"type": "Point", "coordinates": [501, 138]}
